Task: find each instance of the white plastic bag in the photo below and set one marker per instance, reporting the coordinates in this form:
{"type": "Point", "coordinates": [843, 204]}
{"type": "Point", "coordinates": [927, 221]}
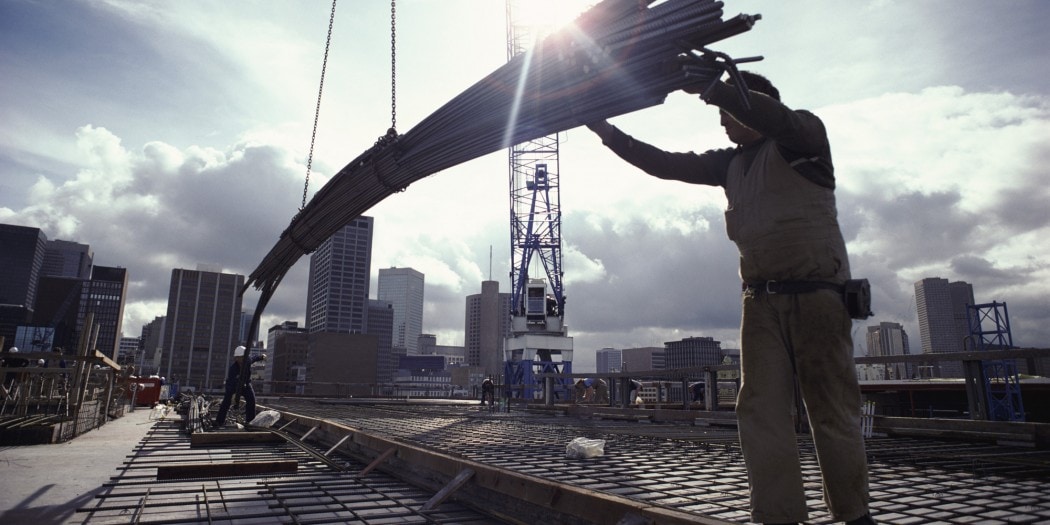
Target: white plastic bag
{"type": "Point", "coordinates": [266, 419]}
{"type": "Point", "coordinates": [581, 448]}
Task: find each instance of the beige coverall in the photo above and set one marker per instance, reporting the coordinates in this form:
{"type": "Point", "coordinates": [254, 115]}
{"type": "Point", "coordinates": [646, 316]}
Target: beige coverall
{"type": "Point", "coordinates": [785, 226]}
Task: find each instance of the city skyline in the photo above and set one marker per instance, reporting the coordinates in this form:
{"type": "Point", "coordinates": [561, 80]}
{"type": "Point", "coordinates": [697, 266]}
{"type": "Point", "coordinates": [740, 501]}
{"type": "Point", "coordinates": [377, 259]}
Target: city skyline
{"type": "Point", "coordinates": [953, 307]}
{"type": "Point", "coordinates": [165, 135]}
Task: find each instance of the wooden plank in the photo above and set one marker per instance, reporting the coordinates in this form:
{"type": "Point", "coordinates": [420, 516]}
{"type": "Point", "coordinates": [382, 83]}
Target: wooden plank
{"type": "Point", "coordinates": [377, 461]}
{"type": "Point", "coordinates": [223, 470]}
{"type": "Point", "coordinates": [207, 439]}
{"type": "Point", "coordinates": [443, 494]}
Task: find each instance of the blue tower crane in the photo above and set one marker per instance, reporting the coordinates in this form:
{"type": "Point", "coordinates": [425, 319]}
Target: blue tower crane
{"type": "Point", "coordinates": [539, 343]}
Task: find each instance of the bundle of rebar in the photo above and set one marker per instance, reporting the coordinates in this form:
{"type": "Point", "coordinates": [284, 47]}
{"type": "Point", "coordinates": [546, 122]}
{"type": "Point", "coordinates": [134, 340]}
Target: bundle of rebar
{"type": "Point", "coordinates": [618, 57]}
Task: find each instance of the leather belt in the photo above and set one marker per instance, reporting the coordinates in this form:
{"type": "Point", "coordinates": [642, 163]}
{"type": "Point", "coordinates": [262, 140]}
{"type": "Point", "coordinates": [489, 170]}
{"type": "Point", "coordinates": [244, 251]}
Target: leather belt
{"type": "Point", "coordinates": [790, 287]}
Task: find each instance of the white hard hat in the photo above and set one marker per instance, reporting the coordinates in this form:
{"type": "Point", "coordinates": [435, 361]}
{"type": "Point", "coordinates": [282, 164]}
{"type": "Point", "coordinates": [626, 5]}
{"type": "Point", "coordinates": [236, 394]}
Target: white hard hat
{"type": "Point", "coordinates": [238, 352]}
{"type": "Point", "coordinates": [14, 349]}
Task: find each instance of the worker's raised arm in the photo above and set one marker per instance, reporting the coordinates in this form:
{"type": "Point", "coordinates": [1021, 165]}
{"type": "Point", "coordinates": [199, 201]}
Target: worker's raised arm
{"type": "Point", "coordinates": [708, 168]}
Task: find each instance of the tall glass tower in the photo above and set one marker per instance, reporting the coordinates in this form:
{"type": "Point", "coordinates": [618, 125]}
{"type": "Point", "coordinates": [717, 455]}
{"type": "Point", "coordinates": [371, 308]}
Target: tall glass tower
{"type": "Point", "coordinates": [943, 326]}
{"type": "Point", "coordinates": [340, 269]}
{"type": "Point", "coordinates": [403, 288]}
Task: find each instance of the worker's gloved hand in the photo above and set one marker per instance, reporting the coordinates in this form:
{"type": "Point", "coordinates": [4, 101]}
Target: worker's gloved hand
{"type": "Point", "coordinates": [701, 79]}
{"type": "Point", "coordinates": [702, 71]}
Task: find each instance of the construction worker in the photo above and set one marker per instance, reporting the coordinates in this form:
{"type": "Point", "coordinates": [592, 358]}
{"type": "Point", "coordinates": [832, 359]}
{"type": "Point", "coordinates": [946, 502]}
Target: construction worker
{"type": "Point", "coordinates": [601, 392]}
{"type": "Point", "coordinates": [488, 391]}
{"type": "Point", "coordinates": [12, 379]}
{"type": "Point", "coordinates": [781, 214]}
{"type": "Point", "coordinates": [584, 390]}
{"type": "Point", "coordinates": [233, 380]}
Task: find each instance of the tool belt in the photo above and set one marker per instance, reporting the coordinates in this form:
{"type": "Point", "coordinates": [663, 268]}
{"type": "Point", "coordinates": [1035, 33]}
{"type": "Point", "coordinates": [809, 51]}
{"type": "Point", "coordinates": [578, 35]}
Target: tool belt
{"type": "Point", "coordinates": [856, 293]}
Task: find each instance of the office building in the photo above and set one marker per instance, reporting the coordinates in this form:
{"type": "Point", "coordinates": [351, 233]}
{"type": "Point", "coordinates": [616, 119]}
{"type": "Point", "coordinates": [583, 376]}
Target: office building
{"type": "Point", "coordinates": [340, 269]}
{"type": "Point", "coordinates": [403, 288]}
{"type": "Point", "coordinates": [202, 325]}
{"type": "Point", "coordinates": [152, 337]}
{"type": "Point", "coordinates": [454, 355]}
{"type": "Point", "coordinates": [103, 297]}
{"type": "Point", "coordinates": [942, 310]}
{"type": "Point", "coordinates": [608, 361]}
{"type": "Point", "coordinates": [643, 359]}
{"type": "Point", "coordinates": [342, 365]}
{"type": "Point", "coordinates": [55, 314]}
{"type": "Point", "coordinates": [128, 351]}
{"type": "Point", "coordinates": [285, 369]}
{"type": "Point", "coordinates": [692, 351]}
{"type": "Point", "coordinates": [886, 339]}
{"type": "Point", "coordinates": [21, 259]}
{"type": "Point", "coordinates": [487, 326]}
{"type": "Point", "coordinates": [246, 326]}
{"type": "Point", "coordinates": [381, 324]}
{"type": "Point", "coordinates": [67, 259]}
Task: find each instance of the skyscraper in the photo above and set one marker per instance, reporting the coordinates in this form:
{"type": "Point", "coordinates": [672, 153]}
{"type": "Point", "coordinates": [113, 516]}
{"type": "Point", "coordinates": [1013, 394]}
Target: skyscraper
{"type": "Point", "coordinates": [201, 327]}
{"type": "Point", "coordinates": [487, 323]}
{"type": "Point", "coordinates": [885, 339]}
{"type": "Point", "coordinates": [403, 288]}
{"type": "Point", "coordinates": [942, 311]}
{"type": "Point", "coordinates": [67, 259]}
{"type": "Point", "coordinates": [152, 346]}
{"type": "Point", "coordinates": [608, 360]}
{"type": "Point", "coordinates": [22, 258]}
{"type": "Point", "coordinates": [381, 325]}
{"type": "Point", "coordinates": [340, 270]}
{"type": "Point", "coordinates": [103, 296]}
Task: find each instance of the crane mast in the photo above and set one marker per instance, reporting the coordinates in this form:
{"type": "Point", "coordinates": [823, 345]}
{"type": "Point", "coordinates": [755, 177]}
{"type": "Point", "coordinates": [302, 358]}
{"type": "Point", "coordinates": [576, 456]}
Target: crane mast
{"type": "Point", "coordinates": [539, 342]}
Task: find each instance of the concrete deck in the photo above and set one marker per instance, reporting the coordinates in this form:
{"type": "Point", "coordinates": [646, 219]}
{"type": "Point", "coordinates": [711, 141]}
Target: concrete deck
{"type": "Point", "coordinates": [46, 484]}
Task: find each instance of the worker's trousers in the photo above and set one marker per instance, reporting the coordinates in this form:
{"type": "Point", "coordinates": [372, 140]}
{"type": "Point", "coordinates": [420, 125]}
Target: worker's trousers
{"type": "Point", "coordinates": [247, 392]}
{"type": "Point", "coordinates": [808, 335]}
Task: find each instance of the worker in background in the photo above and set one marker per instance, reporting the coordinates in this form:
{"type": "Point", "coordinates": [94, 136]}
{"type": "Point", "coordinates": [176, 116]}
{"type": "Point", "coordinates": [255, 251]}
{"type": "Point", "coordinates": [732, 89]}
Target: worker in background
{"type": "Point", "coordinates": [781, 214]}
{"type": "Point", "coordinates": [697, 391]}
{"type": "Point", "coordinates": [233, 380]}
{"type": "Point", "coordinates": [488, 391]}
{"type": "Point", "coordinates": [601, 391]}
{"type": "Point", "coordinates": [11, 379]}
{"type": "Point", "coordinates": [584, 390]}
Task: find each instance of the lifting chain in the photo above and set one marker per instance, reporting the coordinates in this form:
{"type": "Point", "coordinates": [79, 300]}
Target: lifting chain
{"type": "Point", "coordinates": [393, 66]}
{"type": "Point", "coordinates": [317, 110]}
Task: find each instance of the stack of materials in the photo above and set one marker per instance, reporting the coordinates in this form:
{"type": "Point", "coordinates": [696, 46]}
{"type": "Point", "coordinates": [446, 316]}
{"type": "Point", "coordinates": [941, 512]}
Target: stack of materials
{"type": "Point", "coordinates": [618, 57]}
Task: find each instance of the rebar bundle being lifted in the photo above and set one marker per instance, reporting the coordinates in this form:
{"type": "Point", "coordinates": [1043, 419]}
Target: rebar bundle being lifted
{"type": "Point", "coordinates": [618, 57]}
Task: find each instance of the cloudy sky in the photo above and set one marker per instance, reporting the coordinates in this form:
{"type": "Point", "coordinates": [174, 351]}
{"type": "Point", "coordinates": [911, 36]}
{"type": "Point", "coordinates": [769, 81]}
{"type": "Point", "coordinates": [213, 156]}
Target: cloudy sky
{"type": "Point", "coordinates": [167, 134]}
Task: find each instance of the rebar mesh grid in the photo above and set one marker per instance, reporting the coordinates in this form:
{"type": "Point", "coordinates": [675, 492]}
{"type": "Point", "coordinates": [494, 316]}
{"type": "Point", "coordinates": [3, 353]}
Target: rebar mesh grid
{"type": "Point", "coordinates": [315, 494]}
{"type": "Point", "coordinates": [700, 470]}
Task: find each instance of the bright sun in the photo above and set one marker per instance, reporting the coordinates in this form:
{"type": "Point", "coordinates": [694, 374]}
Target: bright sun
{"type": "Point", "coordinates": [548, 15]}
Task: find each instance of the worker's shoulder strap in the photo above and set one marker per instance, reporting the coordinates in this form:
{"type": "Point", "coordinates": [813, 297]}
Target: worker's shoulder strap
{"type": "Point", "coordinates": [817, 170]}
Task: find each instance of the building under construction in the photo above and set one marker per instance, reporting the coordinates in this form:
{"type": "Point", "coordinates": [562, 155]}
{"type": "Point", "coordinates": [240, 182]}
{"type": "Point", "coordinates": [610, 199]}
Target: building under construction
{"type": "Point", "coordinates": [398, 460]}
{"type": "Point", "coordinates": [967, 451]}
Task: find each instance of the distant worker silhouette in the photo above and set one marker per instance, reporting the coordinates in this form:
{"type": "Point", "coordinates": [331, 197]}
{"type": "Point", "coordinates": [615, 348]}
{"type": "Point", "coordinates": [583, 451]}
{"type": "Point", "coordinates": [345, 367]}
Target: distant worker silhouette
{"type": "Point", "coordinates": [488, 391]}
{"type": "Point", "coordinates": [233, 380]}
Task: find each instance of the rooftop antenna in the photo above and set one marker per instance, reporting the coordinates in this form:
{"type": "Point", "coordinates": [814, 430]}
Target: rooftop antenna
{"type": "Point", "coordinates": [490, 262]}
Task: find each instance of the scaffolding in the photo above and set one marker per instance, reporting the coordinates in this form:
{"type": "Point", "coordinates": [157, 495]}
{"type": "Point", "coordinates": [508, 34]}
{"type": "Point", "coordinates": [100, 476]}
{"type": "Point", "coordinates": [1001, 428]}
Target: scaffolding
{"type": "Point", "coordinates": [999, 393]}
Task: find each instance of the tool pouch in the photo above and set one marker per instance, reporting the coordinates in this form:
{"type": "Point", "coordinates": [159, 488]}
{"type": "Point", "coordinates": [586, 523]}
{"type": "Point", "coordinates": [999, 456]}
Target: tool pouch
{"type": "Point", "coordinates": [857, 295]}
